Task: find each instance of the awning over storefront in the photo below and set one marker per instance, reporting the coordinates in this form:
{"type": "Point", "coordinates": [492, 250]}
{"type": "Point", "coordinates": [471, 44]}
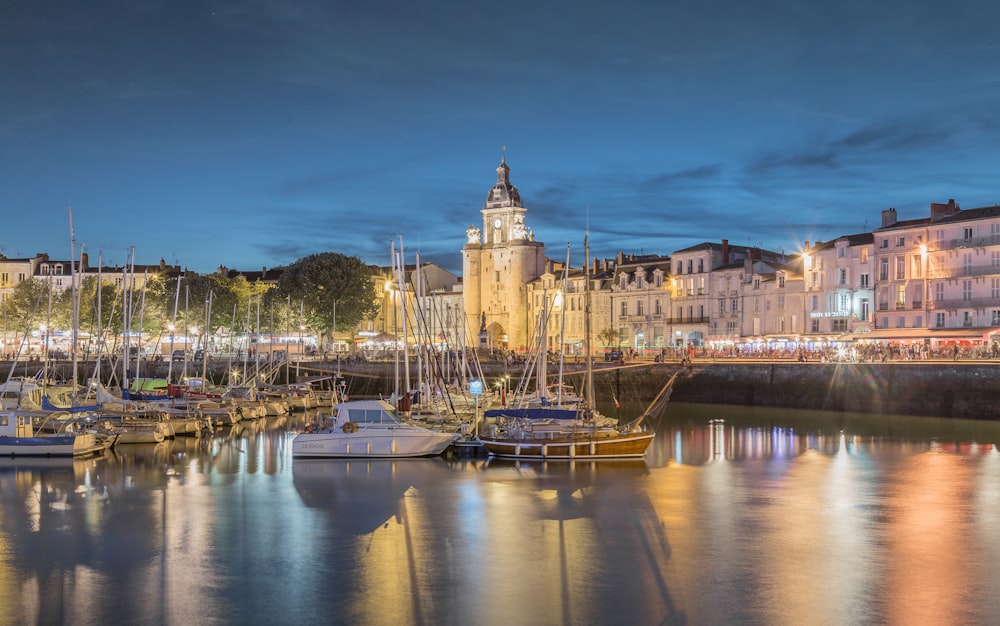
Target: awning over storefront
{"type": "Point", "coordinates": [920, 334]}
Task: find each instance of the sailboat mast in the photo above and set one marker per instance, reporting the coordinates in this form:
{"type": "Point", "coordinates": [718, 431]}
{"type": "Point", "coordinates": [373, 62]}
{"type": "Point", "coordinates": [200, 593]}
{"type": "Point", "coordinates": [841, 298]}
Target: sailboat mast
{"type": "Point", "coordinates": [586, 324]}
{"type": "Point", "coordinates": [173, 325]}
{"type": "Point", "coordinates": [402, 315]}
{"type": "Point", "coordinates": [75, 303]}
{"type": "Point", "coordinates": [562, 328]}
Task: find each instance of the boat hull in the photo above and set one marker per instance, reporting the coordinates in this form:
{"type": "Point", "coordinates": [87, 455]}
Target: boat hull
{"type": "Point", "coordinates": [57, 445]}
{"type": "Point", "coordinates": [620, 446]}
{"type": "Point", "coordinates": [371, 443]}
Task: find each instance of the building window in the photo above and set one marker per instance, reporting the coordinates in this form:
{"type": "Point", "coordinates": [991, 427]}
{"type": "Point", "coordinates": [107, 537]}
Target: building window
{"type": "Point", "coordinates": [863, 310]}
{"type": "Point", "coordinates": [781, 302]}
{"type": "Point", "coordinates": [864, 255]}
{"type": "Point", "coordinates": [842, 276]}
{"type": "Point", "coordinates": [690, 266]}
{"type": "Point", "coordinates": [701, 265]}
{"type": "Point", "coordinates": [967, 263]}
{"type": "Point", "coordinates": [966, 290]}
{"type": "Point", "coordinates": [657, 307]}
{"type": "Point", "coordinates": [967, 234]}
{"type": "Point", "coordinates": [813, 302]}
{"type": "Point", "coordinates": [995, 287]}
{"type": "Point", "coordinates": [781, 281]}
{"type": "Point", "coordinates": [659, 281]}
{"type": "Point", "coordinates": [865, 283]}
{"type": "Point", "coordinates": [900, 241]}
{"type": "Point", "coordinates": [884, 243]}
{"type": "Point", "coordinates": [883, 269]}
{"type": "Point", "coordinates": [722, 306]}
{"type": "Point", "coordinates": [841, 252]}
{"type": "Point", "coordinates": [901, 322]}
{"type": "Point", "coordinates": [814, 324]}
{"type": "Point", "coordinates": [966, 318]}
{"type": "Point", "coordinates": [900, 268]}
{"type": "Point", "coordinates": [735, 305]}
{"type": "Point", "coordinates": [638, 307]}
{"type": "Point", "coordinates": [624, 309]}
{"type": "Point", "coordinates": [939, 320]}
{"type": "Point", "coordinates": [938, 292]}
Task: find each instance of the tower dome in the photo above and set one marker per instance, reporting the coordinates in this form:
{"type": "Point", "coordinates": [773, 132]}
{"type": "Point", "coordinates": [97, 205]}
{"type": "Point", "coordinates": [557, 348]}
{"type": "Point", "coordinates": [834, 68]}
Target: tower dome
{"type": "Point", "coordinates": [503, 193]}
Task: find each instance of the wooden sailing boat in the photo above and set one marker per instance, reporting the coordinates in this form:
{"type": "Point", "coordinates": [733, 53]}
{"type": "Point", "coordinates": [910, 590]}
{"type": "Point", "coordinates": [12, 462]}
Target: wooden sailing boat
{"type": "Point", "coordinates": [589, 435]}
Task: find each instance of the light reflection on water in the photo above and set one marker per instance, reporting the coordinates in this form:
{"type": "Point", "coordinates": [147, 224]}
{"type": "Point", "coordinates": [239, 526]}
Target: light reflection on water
{"type": "Point", "coordinates": [761, 517]}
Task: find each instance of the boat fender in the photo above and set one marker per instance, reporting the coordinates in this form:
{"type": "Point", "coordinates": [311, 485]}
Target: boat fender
{"type": "Point", "coordinates": [350, 427]}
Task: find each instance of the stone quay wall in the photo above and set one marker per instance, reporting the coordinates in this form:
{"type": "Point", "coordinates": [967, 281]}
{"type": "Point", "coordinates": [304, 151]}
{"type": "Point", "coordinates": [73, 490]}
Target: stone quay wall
{"type": "Point", "coordinates": [963, 389]}
{"type": "Point", "coordinates": [967, 390]}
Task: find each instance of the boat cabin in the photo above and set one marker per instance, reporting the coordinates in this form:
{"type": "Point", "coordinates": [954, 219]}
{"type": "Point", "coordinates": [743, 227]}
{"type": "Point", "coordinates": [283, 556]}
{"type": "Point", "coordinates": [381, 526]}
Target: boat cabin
{"type": "Point", "coordinates": [15, 425]}
{"type": "Point", "coordinates": [367, 412]}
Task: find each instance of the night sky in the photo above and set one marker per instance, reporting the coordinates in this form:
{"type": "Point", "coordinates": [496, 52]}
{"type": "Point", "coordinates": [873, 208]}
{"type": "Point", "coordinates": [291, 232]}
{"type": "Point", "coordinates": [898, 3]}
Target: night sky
{"type": "Point", "coordinates": [252, 133]}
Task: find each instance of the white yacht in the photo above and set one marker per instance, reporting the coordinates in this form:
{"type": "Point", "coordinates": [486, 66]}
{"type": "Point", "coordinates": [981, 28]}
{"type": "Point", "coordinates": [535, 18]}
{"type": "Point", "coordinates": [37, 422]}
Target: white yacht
{"type": "Point", "coordinates": [368, 429]}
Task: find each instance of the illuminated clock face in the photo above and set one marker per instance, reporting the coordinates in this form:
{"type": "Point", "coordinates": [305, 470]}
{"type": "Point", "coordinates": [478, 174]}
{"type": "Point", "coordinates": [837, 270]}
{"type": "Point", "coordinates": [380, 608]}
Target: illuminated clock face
{"type": "Point", "coordinates": [496, 223]}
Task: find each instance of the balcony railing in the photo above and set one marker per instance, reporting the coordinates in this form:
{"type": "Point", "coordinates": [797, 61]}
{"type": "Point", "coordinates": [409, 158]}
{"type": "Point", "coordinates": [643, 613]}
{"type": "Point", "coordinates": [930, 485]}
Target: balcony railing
{"type": "Point", "coordinates": [687, 320]}
{"type": "Point", "coordinates": [964, 303]}
{"type": "Point", "coordinates": [965, 270]}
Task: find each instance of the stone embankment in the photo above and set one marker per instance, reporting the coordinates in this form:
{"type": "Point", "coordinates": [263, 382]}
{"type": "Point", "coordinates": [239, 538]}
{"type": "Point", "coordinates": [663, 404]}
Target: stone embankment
{"type": "Point", "coordinates": [968, 390]}
{"type": "Point", "coordinates": [961, 389]}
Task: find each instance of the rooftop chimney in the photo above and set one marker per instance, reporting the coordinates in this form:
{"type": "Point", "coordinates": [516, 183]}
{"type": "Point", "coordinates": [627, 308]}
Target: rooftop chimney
{"type": "Point", "coordinates": [939, 210]}
{"type": "Point", "coordinates": [889, 217]}
{"type": "Point", "coordinates": [725, 252]}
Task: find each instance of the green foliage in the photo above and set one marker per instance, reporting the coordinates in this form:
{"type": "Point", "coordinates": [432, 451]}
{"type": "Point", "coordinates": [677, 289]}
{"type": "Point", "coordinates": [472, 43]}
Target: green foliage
{"type": "Point", "coordinates": [329, 284]}
{"type": "Point", "coordinates": [225, 295]}
{"type": "Point", "coordinates": [608, 337]}
{"type": "Point", "coordinates": [27, 304]}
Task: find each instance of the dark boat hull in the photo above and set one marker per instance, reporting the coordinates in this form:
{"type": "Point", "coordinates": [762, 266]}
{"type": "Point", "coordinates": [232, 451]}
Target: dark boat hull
{"type": "Point", "coordinates": [618, 446]}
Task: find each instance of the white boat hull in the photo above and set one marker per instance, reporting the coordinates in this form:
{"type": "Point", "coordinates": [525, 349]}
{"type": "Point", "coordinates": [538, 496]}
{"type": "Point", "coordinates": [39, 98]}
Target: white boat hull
{"type": "Point", "coordinates": [372, 442]}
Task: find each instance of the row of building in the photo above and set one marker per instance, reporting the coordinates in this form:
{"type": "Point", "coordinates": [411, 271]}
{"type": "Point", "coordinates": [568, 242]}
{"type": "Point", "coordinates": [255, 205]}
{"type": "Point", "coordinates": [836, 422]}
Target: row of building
{"type": "Point", "coordinates": [930, 283]}
{"type": "Point", "coordinates": [925, 284]}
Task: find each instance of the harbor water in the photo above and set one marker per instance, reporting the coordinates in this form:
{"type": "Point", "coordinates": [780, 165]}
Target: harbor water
{"type": "Point", "coordinates": [736, 515]}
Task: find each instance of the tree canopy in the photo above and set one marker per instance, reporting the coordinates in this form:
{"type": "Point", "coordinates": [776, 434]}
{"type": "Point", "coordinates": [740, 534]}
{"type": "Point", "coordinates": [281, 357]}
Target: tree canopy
{"type": "Point", "coordinates": [330, 286]}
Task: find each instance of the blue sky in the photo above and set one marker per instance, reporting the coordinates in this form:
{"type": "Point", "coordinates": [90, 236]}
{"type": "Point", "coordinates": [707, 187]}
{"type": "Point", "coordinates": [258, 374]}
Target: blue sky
{"type": "Point", "coordinates": [252, 133]}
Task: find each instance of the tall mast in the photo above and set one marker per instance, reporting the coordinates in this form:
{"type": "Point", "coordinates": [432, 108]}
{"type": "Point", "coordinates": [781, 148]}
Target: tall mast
{"type": "Point", "coordinates": [562, 329]}
{"type": "Point", "coordinates": [74, 297]}
{"type": "Point", "coordinates": [589, 384]}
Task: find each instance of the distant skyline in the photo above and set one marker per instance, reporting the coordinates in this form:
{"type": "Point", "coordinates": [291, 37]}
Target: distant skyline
{"type": "Point", "coordinates": [253, 133]}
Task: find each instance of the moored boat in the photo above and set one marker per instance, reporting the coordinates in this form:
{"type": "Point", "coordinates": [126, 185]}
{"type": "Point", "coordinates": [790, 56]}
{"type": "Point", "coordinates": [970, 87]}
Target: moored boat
{"type": "Point", "coordinates": [18, 437]}
{"type": "Point", "coordinates": [368, 429]}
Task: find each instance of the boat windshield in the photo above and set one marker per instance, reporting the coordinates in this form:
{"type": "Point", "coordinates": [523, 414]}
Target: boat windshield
{"type": "Point", "coordinates": [372, 414]}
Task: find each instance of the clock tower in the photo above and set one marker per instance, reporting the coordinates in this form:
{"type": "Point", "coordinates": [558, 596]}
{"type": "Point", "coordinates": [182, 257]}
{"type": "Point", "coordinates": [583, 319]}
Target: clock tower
{"type": "Point", "coordinates": [497, 264]}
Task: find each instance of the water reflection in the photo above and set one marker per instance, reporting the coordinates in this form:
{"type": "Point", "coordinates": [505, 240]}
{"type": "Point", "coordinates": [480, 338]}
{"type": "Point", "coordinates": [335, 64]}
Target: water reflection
{"type": "Point", "coordinates": [733, 517]}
